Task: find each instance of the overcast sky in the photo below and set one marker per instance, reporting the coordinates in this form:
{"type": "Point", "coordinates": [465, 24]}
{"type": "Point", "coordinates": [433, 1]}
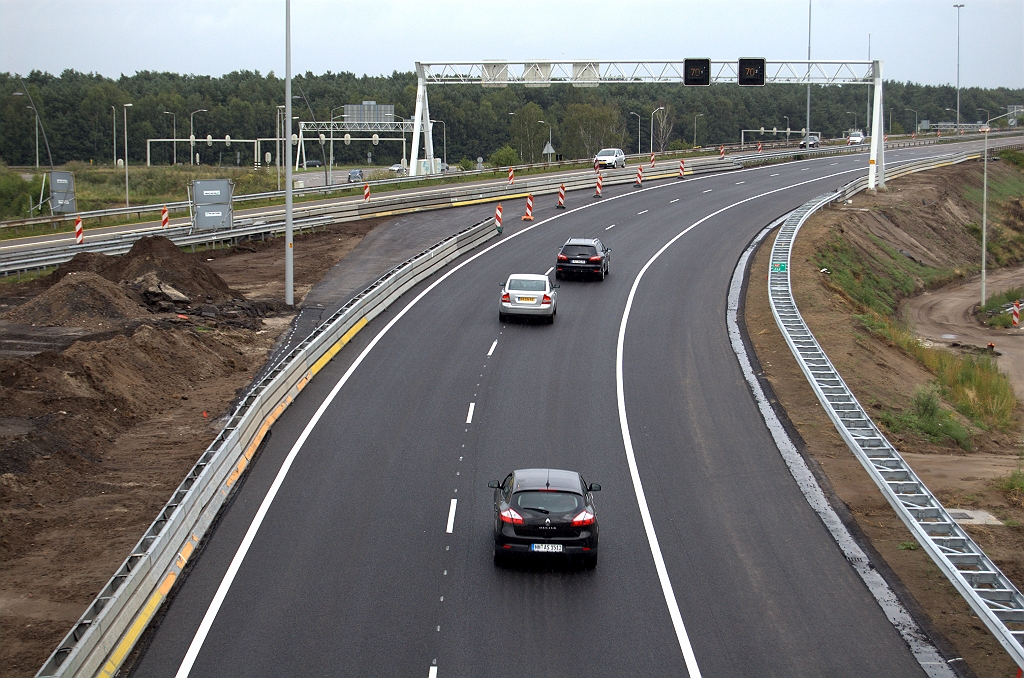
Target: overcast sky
{"type": "Point", "coordinates": [916, 39]}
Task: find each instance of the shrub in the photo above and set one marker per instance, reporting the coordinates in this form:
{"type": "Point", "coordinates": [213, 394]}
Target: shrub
{"type": "Point", "coordinates": [467, 164]}
{"type": "Point", "coordinates": [504, 156]}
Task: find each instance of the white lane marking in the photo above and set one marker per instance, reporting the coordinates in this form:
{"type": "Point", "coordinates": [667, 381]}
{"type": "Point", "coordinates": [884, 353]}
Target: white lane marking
{"type": "Point", "coordinates": [469, 417]}
{"type": "Point", "coordinates": [709, 190]}
{"type": "Point", "coordinates": [432, 673]}
{"type": "Point", "coordinates": [740, 182]}
{"type": "Point", "coordinates": [672, 201]}
{"type": "Point", "coordinates": [774, 175]}
{"type": "Point", "coordinates": [495, 344]}
{"type": "Point", "coordinates": [547, 272]}
{"type": "Point", "coordinates": [243, 549]}
{"type": "Point", "coordinates": [451, 516]}
{"type": "Point", "coordinates": [805, 169]}
{"type": "Point", "coordinates": [644, 212]}
{"type": "Point", "coordinates": [610, 227]}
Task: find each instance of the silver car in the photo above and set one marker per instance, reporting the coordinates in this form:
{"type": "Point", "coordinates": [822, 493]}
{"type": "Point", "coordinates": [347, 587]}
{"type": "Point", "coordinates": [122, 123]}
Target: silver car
{"type": "Point", "coordinates": [527, 294]}
{"type": "Point", "coordinates": [610, 157]}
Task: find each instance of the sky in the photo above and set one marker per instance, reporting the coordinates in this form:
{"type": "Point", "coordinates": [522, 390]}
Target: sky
{"type": "Point", "coordinates": [915, 39]}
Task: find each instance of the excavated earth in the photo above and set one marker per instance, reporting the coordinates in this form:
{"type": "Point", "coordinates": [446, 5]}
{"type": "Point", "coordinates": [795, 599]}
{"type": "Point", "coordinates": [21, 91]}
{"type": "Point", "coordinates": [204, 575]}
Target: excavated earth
{"type": "Point", "coordinates": [925, 218]}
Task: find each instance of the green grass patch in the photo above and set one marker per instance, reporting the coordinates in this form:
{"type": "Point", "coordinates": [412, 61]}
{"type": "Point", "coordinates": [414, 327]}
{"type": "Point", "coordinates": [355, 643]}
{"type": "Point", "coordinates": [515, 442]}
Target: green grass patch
{"type": "Point", "coordinates": [908, 546]}
{"type": "Point", "coordinates": [1013, 487]}
{"type": "Point", "coordinates": [1013, 157]}
{"type": "Point", "coordinates": [996, 301]}
{"type": "Point", "coordinates": [927, 418]}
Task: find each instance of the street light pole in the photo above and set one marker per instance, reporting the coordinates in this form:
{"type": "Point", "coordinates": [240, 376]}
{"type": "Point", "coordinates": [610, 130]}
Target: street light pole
{"type": "Point", "coordinates": [807, 130]}
{"type": "Point", "coordinates": [916, 130]}
{"type": "Point", "coordinates": [113, 131]}
{"type": "Point", "coordinates": [854, 119]}
{"type": "Point", "coordinates": [787, 127]}
{"type": "Point", "coordinates": [192, 135]}
{"type": "Point", "coordinates": [638, 149]}
{"type": "Point", "coordinates": [126, 107]}
{"type": "Point", "coordinates": [659, 108]}
{"type": "Point", "coordinates": [36, 120]}
{"type": "Point", "coordinates": [984, 209]}
{"type": "Point", "coordinates": [444, 138]}
{"type": "Point", "coordinates": [174, 133]}
{"type": "Point", "coordinates": [277, 133]}
{"type": "Point", "coordinates": [958, 8]}
{"type": "Point", "coordinates": [549, 136]}
{"type": "Point", "coordinates": [330, 172]}
{"type": "Point", "coordinates": [699, 115]}
{"type": "Point", "coordinates": [39, 122]}
{"type": "Point", "coordinates": [289, 291]}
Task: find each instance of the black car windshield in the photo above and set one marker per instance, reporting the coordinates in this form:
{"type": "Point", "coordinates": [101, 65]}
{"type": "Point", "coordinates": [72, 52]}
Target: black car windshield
{"type": "Point", "coordinates": [579, 251]}
{"type": "Point", "coordinates": [547, 502]}
{"type": "Point", "coordinates": [526, 285]}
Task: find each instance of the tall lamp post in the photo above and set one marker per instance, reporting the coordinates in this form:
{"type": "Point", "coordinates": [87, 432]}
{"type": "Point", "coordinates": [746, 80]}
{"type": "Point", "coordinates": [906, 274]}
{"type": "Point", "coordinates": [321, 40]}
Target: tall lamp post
{"type": "Point", "coordinates": [638, 149]}
{"type": "Point", "coordinates": [444, 139]}
{"type": "Point", "coordinates": [113, 131]}
{"type": "Point", "coordinates": [277, 133]}
{"type": "Point", "coordinates": [854, 119]}
{"type": "Point", "coordinates": [39, 124]}
{"type": "Point", "coordinates": [916, 130]}
{"type": "Point", "coordinates": [549, 136]}
{"type": "Point", "coordinates": [699, 115]}
{"type": "Point", "coordinates": [192, 135]}
{"type": "Point", "coordinates": [787, 127]}
{"type": "Point", "coordinates": [36, 120]}
{"type": "Point", "coordinates": [659, 108]}
{"type": "Point", "coordinates": [289, 287]}
{"type": "Point", "coordinates": [126, 107]}
{"type": "Point", "coordinates": [958, 8]}
{"type": "Point", "coordinates": [330, 164]}
{"type": "Point", "coordinates": [984, 201]}
{"type": "Point", "coordinates": [174, 134]}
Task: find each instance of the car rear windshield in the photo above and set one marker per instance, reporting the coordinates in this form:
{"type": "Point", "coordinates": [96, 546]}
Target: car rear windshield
{"type": "Point", "coordinates": [526, 285]}
{"type": "Point", "coordinates": [579, 251]}
{"type": "Point", "coordinates": [552, 502]}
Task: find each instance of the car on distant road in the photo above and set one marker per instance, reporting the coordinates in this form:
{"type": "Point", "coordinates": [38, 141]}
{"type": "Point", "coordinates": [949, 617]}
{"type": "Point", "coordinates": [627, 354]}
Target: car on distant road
{"type": "Point", "coordinates": [541, 511]}
{"type": "Point", "coordinates": [312, 163]}
{"type": "Point", "coordinates": [583, 256]}
{"type": "Point", "coordinates": [610, 157]}
{"type": "Point", "coordinates": [528, 294]}
{"type": "Point", "coordinates": [809, 141]}
{"type": "Point", "coordinates": [355, 176]}
{"type": "Point", "coordinates": [398, 169]}
{"type": "Point", "coordinates": [855, 138]}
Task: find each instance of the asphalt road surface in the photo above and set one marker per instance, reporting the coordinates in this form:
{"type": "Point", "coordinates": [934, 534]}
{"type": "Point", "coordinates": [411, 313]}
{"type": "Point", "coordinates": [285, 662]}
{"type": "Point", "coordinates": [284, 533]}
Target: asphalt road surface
{"type": "Point", "coordinates": [348, 567]}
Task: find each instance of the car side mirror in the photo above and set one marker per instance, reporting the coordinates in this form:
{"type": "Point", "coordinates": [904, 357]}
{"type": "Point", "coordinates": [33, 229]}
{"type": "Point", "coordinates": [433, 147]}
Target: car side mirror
{"type": "Point", "coordinates": [594, 487]}
{"type": "Point", "coordinates": [494, 484]}
{"type": "Point", "coordinates": [554, 286]}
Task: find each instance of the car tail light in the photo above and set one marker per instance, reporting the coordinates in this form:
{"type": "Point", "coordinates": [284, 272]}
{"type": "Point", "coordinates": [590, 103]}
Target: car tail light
{"type": "Point", "coordinates": [506, 298]}
{"type": "Point", "coordinates": [598, 258]}
{"type": "Point", "coordinates": [562, 257]}
{"type": "Point", "coordinates": [545, 300]}
{"type": "Point", "coordinates": [584, 518]}
{"type": "Point", "coordinates": [510, 516]}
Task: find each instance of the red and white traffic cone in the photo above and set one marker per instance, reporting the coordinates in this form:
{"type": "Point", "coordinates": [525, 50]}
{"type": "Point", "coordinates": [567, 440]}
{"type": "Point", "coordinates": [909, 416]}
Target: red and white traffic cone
{"type": "Point", "coordinates": [938, 133]}
{"type": "Point", "coordinates": [597, 190]}
{"type": "Point", "coordinates": [759, 147]}
{"type": "Point", "coordinates": [366, 192]}
{"type": "Point", "coordinates": [164, 217]}
{"type": "Point", "coordinates": [652, 160]}
{"type": "Point", "coordinates": [885, 138]}
{"type": "Point", "coordinates": [721, 153]}
{"type": "Point", "coordinates": [682, 167]}
{"type": "Point", "coordinates": [1016, 313]}
{"type": "Point", "coordinates": [913, 135]}
{"type": "Point", "coordinates": [597, 167]}
{"type": "Point", "coordinates": [529, 208]}
{"type": "Point", "coordinates": [561, 197]}
{"type": "Point", "coordinates": [639, 175]}
{"type": "Point", "coordinates": [79, 232]}
{"type": "Point", "coordinates": [497, 218]}
{"type": "Point", "coordinates": [511, 176]}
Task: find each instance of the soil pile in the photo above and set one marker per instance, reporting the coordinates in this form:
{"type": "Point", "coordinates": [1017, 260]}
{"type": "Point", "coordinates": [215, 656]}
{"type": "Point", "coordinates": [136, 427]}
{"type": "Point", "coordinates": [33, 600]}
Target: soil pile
{"type": "Point", "coordinates": [80, 299]}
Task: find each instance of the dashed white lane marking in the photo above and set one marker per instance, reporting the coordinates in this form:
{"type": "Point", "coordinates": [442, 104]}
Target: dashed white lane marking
{"type": "Point", "coordinates": [610, 227]}
{"type": "Point", "coordinates": [644, 212]}
{"type": "Point", "coordinates": [469, 417]}
{"type": "Point", "coordinates": [547, 272]}
{"type": "Point", "coordinates": [432, 673]}
{"type": "Point", "coordinates": [774, 175]}
{"type": "Point", "coordinates": [740, 182]}
{"type": "Point", "coordinates": [495, 344]}
{"type": "Point", "coordinates": [805, 169]}
{"type": "Point", "coordinates": [672, 201]}
{"type": "Point", "coordinates": [451, 516]}
{"type": "Point", "coordinates": [709, 190]}
{"type": "Point", "coordinates": [833, 163]}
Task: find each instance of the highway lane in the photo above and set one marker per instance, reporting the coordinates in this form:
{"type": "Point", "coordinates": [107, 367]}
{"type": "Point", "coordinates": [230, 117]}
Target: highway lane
{"type": "Point", "coordinates": [348, 570]}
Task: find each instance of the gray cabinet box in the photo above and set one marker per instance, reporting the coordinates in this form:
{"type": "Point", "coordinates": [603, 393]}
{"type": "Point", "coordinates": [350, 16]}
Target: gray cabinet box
{"type": "Point", "coordinates": [62, 193]}
{"type": "Point", "coordinates": [212, 204]}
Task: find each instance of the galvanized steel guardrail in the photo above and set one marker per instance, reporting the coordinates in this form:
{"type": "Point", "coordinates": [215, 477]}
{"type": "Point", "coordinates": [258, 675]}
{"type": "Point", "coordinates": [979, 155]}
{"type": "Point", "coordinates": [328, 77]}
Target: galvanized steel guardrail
{"type": "Point", "coordinates": [114, 621]}
{"type": "Point", "coordinates": [991, 595]}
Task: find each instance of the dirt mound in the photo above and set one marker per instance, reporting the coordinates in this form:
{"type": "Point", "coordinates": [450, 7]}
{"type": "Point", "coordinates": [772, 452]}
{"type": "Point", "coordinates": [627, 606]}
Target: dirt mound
{"type": "Point", "coordinates": [80, 299]}
{"type": "Point", "coordinates": [155, 265]}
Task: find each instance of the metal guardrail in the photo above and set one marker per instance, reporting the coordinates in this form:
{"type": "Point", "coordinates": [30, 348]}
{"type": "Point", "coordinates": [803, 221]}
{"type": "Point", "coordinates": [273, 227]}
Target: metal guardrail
{"type": "Point", "coordinates": [113, 622]}
{"type": "Point", "coordinates": [991, 595]}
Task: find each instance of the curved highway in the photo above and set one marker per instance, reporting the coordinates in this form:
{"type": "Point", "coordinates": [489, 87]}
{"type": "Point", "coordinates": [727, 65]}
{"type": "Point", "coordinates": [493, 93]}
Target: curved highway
{"type": "Point", "coordinates": [335, 556]}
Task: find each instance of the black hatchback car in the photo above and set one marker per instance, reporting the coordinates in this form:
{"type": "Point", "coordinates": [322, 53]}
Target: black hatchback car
{"type": "Point", "coordinates": [540, 511]}
{"type": "Point", "coordinates": [583, 256]}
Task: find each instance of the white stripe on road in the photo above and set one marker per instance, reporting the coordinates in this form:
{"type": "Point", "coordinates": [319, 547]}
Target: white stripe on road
{"type": "Point", "coordinates": [672, 201]}
{"type": "Point", "coordinates": [610, 227]}
{"type": "Point", "coordinates": [644, 212]}
{"type": "Point", "coordinates": [547, 272]}
{"type": "Point", "coordinates": [774, 175]}
{"type": "Point", "coordinates": [469, 417]}
{"type": "Point", "coordinates": [451, 516]}
{"type": "Point", "coordinates": [709, 190]}
{"type": "Point", "coordinates": [432, 673]}
{"type": "Point", "coordinates": [740, 182]}
{"type": "Point", "coordinates": [494, 345]}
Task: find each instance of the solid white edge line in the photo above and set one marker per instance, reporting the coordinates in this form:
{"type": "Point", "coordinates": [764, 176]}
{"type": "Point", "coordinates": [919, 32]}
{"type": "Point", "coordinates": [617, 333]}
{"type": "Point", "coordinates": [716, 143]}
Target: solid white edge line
{"type": "Point", "coordinates": [920, 646]}
{"type": "Point", "coordinates": [469, 416]}
{"type": "Point", "coordinates": [229, 576]}
{"type": "Point", "coordinates": [493, 346]}
{"type": "Point", "coordinates": [451, 516]}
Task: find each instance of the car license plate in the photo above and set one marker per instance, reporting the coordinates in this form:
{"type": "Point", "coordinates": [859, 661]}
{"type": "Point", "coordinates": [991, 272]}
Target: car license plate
{"type": "Point", "coordinates": [547, 548]}
{"type": "Point", "coordinates": [578, 261]}
{"type": "Point", "coordinates": [527, 300]}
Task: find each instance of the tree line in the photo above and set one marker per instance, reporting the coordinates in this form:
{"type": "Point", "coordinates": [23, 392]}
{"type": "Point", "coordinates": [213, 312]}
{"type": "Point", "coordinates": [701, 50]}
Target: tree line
{"type": "Point", "coordinates": [83, 112]}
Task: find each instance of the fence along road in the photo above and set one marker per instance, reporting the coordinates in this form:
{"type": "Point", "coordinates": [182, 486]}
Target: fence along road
{"type": "Point", "coordinates": [352, 564]}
